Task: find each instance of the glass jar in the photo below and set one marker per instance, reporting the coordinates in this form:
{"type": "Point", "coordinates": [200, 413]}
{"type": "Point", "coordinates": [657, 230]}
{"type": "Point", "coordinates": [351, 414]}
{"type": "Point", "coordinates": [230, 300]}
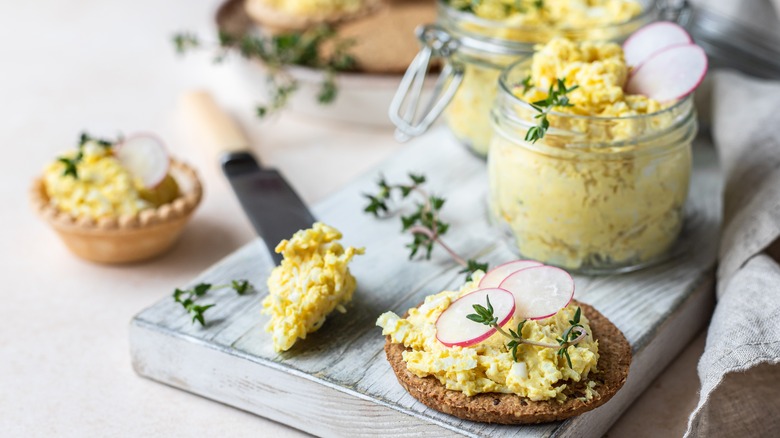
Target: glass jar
{"type": "Point", "coordinates": [475, 51]}
{"type": "Point", "coordinates": [595, 194]}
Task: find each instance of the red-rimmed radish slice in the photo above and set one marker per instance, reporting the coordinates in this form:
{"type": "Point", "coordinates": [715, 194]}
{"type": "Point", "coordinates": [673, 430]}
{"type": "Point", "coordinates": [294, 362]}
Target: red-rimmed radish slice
{"type": "Point", "coordinates": [670, 74]}
{"type": "Point", "coordinates": [145, 157]}
{"type": "Point", "coordinates": [454, 329]}
{"type": "Point", "coordinates": [540, 291]}
{"type": "Point", "coordinates": [495, 276]}
{"type": "Point", "coordinates": [653, 38]}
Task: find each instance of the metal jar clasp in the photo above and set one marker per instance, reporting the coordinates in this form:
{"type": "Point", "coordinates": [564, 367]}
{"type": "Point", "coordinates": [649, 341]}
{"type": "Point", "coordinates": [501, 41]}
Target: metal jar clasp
{"type": "Point", "coordinates": [436, 43]}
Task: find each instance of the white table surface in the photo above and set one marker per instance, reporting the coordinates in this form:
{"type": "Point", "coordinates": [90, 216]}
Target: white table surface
{"type": "Point", "coordinates": [107, 67]}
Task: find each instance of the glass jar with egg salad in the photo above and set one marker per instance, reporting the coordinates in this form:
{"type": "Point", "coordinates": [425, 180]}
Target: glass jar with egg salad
{"type": "Point", "coordinates": [478, 39]}
{"type": "Point", "coordinates": [598, 193]}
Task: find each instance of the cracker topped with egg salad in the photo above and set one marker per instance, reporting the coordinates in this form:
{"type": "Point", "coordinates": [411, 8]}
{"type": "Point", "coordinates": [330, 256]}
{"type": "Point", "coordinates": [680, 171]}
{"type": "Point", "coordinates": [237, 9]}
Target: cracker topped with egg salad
{"type": "Point", "coordinates": [517, 355]}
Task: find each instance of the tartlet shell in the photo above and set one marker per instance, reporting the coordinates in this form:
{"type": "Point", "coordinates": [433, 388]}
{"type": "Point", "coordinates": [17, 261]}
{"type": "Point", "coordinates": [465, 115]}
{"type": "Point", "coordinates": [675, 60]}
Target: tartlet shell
{"type": "Point", "coordinates": [614, 363]}
{"type": "Point", "coordinates": [124, 239]}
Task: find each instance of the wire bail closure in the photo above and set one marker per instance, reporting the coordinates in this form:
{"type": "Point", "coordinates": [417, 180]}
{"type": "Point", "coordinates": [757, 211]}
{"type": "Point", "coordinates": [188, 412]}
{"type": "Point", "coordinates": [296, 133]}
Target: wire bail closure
{"type": "Point", "coordinates": [436, 43]}
{"type": "Point", "coordinates": [678, 11]}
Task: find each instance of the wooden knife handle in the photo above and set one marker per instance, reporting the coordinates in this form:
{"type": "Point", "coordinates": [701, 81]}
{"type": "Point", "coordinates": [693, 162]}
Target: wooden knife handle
{"type": "Point", "coordinates": [212, 124]}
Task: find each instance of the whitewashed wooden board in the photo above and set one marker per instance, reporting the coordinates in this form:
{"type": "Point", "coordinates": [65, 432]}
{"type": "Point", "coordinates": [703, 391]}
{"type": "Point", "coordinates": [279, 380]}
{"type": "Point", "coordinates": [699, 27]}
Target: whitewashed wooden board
{"type": "Point", "coordinates": [338, 383]}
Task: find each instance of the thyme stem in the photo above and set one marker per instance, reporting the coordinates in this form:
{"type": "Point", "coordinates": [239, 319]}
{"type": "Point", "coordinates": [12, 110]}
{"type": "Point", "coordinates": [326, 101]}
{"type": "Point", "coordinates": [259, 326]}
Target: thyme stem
{"type": "Point", "coordinates": [431, 234]}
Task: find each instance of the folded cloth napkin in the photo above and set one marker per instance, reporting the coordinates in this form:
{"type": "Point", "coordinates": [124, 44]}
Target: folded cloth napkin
{"type": "Point", "coordinates": [740, 367]}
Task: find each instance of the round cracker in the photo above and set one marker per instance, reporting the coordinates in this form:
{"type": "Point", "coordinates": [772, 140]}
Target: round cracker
{"type": "Point", "coordinates": [613, 365]}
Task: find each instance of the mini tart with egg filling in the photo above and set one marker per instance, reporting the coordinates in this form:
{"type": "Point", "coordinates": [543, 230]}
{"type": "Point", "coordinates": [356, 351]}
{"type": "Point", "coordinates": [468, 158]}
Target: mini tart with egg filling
{"type": "Point", "coordinates": [132, 233]}
{"type": "Point", "coordinates": [613, 364]}
{"type": "Point", "coordinates": [295, 15]}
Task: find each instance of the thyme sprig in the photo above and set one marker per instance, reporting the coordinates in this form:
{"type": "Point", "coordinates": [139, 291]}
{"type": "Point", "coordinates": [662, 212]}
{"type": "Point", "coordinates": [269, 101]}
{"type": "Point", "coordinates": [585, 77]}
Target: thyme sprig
{"type": "Point", "coordinates": [572, 336]}
{"type": "Point", "coordinates": [279, 51]}
{"type": "Point", "coordinates": [424, 223]}
{"type": "Point", "coordinates": [188, 297]}
{"type": "Point", "coordinates": [71, 163]}
{"type": "Point", "coordinates": [556, 97]}
{"type": "Point", "coordinates": [518, 6]}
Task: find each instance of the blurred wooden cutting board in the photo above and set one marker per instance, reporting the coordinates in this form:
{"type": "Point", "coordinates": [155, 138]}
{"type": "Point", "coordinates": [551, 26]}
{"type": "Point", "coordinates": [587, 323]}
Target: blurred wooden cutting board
{"type": "Point", "coordinates": [337, 382]}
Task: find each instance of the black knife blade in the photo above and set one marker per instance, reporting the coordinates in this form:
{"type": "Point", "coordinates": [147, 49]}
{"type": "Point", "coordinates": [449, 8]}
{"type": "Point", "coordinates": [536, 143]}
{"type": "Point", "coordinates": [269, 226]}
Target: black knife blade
{"type": "Point", "coordinates": [274, 209]}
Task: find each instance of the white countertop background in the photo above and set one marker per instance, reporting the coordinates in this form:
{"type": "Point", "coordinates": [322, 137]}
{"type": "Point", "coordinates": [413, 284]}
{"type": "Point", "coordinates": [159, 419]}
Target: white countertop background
{"type": "Point", "coordinates": [107, 67]}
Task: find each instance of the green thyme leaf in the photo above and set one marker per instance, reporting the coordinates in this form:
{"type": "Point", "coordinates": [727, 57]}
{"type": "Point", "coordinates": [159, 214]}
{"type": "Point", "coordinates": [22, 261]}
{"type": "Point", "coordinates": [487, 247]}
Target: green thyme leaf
{"type": "Point", "coordinates": [328, 90]}
{"type": "Point", "coordinates": [70, 166]}
{"type": "Point", "coordinates": [241, 286]}
{"type": "Point", "coordinates": [476, 318]}
{"type": "Point", "coordinates": [417, 179]}
{"type": "Point", "coordinates": [577, 315]}
{"type": "Point", "coordinates": [187, 297]}
{"type": "Point", "coordinates": [185, 41]}
{"type": "Point", "coordinates": [556, 97]}
{"type": "Point", "coordinates": [201, 289]}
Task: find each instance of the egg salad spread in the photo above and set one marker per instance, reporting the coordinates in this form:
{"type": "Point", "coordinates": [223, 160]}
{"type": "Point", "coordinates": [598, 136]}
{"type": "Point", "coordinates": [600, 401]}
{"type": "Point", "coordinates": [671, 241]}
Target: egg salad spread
{"type": "Point", "coordinates": [538, 373]}
{"type": "Point", "coordinates": [315, 7]}
{"type": "Point", "coordinates": [98, 186]}
{"type": "Point", "coordinates": [552, 13]}
{"type": "Point", "coordinates": [597, 68]}
{"type": "Point", "coordinates": [312, 281]}
{"type": "Point", "coordinates": [605, 188]}
{"type": "Point", "coordinates": [527, 22]}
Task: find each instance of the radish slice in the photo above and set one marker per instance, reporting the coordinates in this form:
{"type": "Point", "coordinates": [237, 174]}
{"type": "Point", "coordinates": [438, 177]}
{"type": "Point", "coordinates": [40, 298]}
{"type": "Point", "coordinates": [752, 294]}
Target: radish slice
{"type": "Point", "coordinates": [653, 38]}
{"type": "Point", "coordinates": [454, 329]}
{"type": "Point", "coordinates": [670, 74]}
{"type": "Point", "coordinates": [145, 157]}
{"type": "Point", "coordinates": [496, 275]}
{"type": "Point", "coordinates": [540, 291]}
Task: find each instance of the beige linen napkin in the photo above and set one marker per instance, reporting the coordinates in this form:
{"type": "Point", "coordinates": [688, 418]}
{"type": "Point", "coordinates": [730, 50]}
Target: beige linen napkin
{"type": "Point", "coordinates": [740, 367]}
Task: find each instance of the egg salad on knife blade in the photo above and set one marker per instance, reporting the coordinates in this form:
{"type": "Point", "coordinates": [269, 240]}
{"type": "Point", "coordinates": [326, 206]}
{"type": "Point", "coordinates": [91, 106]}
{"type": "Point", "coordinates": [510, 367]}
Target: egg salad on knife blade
{"type": "Point", "coordinates": [312, 280]}
{"type": "Point", "coordinates": [520, 352]}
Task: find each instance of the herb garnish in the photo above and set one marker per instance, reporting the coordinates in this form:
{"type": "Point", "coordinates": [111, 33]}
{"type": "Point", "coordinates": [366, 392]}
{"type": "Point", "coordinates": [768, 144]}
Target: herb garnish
{"type": "Point", "coordinates": [279, 51]}
{"type": "Point", "coordinates": [424, 223]}
{"type": "Point", "coordinates": [526, 83]}
{"type": "Point", "coordinates": [187, 297]}
{"type": "Point", "coordinates": [71, 164]}
{"type": "Point", "coordinates": [572, 336]}
{"type": "Point", "coordinates": [556, 97]}
{"type": "Point", "coordinates": [518, 6]}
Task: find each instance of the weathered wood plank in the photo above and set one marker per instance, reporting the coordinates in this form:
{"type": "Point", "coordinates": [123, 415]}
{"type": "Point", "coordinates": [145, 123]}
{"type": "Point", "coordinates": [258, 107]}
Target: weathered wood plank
{"type": "Point", "coordinates": [339, 373]}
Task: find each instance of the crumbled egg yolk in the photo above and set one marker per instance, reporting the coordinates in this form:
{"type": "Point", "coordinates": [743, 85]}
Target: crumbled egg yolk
{"type": "Point", "coordinates": [539, 374]}
{"type": "Point", "coordinates": [103, 187]}
{"type": "Point", "coordinates": [597, 68]}
{"type": "Point", "coordinates": [316, 7]}
{"type": "Point", "coordinates": [312, 280]}
{"type": "Point", "coordinates": [559, 13]}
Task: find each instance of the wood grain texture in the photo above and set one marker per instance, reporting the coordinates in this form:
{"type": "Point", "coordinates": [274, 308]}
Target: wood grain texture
{"type": "Point", "coordinates": [337, 381]}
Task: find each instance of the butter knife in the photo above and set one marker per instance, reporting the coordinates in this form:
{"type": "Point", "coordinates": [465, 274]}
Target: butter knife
{"type": "Point", "coordinates": [272, 205]}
